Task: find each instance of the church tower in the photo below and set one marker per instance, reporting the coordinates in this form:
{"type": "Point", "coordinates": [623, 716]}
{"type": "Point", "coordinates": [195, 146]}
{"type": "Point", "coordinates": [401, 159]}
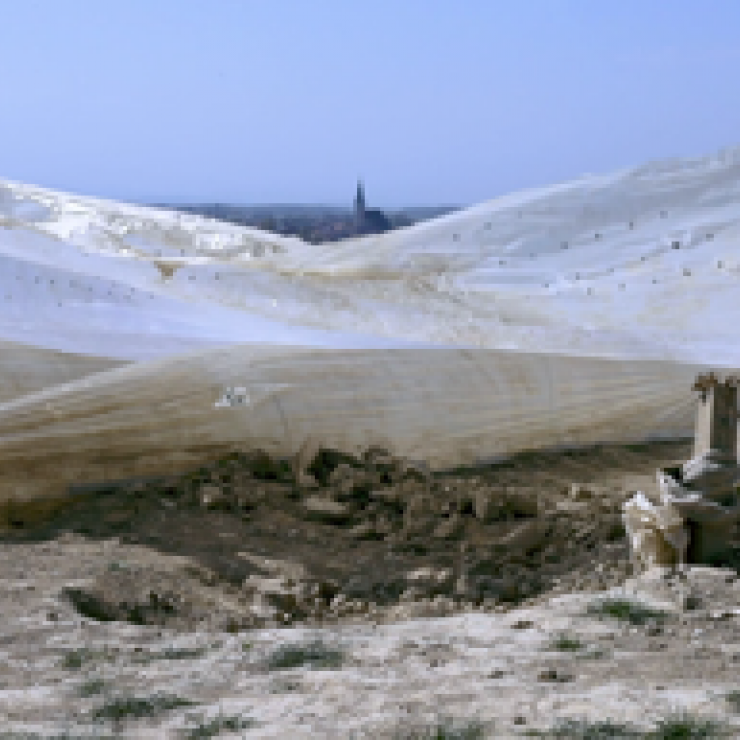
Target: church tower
{"type": "Point", "coordinates": [360, 208]}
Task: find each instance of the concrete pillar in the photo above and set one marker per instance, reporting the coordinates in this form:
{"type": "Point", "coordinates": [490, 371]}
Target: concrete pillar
{"type": "Point", "coordinates": [716, 417]}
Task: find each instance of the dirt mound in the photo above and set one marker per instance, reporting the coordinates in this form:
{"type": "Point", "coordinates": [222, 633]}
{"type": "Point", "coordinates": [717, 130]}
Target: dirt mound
{"type": "Point", "coordinates": [372, 535]}
{"type": "Point", "coordinates": [187, 597]}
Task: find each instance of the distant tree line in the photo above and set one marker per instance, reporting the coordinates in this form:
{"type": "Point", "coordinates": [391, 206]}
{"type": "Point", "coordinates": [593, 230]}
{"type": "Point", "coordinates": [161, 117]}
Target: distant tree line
{"type": "Point", "coordinates": [310, 224]}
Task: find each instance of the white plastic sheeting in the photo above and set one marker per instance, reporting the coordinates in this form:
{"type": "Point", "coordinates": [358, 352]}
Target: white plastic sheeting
{"type": "Point", "coordinates": [563, 315]}
{"type": "Point", "coordinates": [446, 406]}
{"type": "Point", "coordinates": [25, 369]}
{"type": "Point", "coordinates": [640, 263]}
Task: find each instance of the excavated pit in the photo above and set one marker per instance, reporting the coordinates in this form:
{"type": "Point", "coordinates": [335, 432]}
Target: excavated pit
{"type": "Point", "coordinates": [236, 544]}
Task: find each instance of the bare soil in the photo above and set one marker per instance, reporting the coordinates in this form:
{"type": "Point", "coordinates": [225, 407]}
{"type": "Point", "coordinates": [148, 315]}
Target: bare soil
{"type": "Point", "coordinates": [398, 599]}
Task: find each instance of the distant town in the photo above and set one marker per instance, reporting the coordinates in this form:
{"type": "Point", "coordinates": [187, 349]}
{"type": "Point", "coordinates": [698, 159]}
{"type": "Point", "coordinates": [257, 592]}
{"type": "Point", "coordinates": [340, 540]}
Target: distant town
{"type": "Point", "coordinates": [315, 224]}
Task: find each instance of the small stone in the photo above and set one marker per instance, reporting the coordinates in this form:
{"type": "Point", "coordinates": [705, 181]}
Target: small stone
{"type": "Point", "coordinates": [326, 509]}
{"type": "Point", "coordinates": [692, 603]}
{"type": "Point", "coordinates": [418, 471]}
{"type": "Point", "coordinates": [579, 493]}
{"type": "Point", "coordinates": [430, 581]}
{"type": "Point", "coordinates": [364, 530]}
{"type": "Point", "coordinates": [522, 624]}
{"type": "Point", "coordinates": [212, 497]}
{"type": "Point", "coordinates": [306, 481]}
{"type": "Point", "coordinates": [721, 615]}
{"type": "Point", "coordinates": [449, 528]}
{"type": "Point", "coordinates": [412, 593]}
{"type": "Point", "coordinates": [551, 674]}
{"type": "Point", "coordinates": [420, 514]}
{"type": "Point", "coordinates": [571, 507]}
{"type": "Point", "coordinates": [521, 504]}
{"type": "Point", "coordinates": [484, 506]}
{"type": "Point", "coordinates": [526, 538]}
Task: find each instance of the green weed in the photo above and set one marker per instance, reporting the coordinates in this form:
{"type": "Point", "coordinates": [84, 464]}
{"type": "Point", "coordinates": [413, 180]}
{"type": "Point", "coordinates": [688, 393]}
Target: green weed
{"type": "Point", "coordinates": [75, 659]}
{"type": "Point", "coordinates": [93, 687]}
{"type": "Point", "coordinates": [627, 610]}
{"type": "Point", "coordinates": [315, 654]}
{"type": "Point", "coordinates": [207, 728]}
{"type": "Point", "coordinates": [135, 707]}
{"type": "Point", "coordinates": [683, 726]}
{"type": "Point", "coordinates": [446, 728]}
{"type": "Point", "coordinates": [733, 699]}
{"type": "Point", "coordinates": [581, 729]}
{"type": "Point", "coordinates": [565, 642]}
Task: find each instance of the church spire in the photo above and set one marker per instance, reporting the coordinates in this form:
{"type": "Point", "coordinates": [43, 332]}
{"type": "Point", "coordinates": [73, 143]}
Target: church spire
{"type": "Point", "coordinates": [360, 208]}
{"type": "Point", "coordinates": [360, 197]}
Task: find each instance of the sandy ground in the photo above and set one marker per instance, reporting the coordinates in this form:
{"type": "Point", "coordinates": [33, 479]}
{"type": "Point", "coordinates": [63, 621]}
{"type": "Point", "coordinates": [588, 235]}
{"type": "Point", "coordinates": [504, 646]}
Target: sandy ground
{"type": "Point", "coordinates": [276, 617]}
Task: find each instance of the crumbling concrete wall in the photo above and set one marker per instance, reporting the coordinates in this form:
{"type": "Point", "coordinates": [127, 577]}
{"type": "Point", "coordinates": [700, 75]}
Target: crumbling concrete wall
{"type": "Point", "coordinates": [696, 507]}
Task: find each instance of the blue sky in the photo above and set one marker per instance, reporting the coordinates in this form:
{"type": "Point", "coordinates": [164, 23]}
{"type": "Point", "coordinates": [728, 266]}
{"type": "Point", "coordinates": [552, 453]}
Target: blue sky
{"type": "Point", "coordinates": [289, 101]}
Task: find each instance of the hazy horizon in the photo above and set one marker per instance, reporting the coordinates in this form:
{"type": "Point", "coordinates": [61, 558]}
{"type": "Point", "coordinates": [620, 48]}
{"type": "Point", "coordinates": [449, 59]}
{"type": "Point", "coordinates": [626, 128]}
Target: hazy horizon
{"type": "Point", "coordinates": [431, 104]}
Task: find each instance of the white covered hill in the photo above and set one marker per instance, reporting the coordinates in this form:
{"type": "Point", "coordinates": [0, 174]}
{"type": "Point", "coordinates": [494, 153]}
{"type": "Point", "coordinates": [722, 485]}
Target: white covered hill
{"type": "Point", "coordinates": [562, 315]}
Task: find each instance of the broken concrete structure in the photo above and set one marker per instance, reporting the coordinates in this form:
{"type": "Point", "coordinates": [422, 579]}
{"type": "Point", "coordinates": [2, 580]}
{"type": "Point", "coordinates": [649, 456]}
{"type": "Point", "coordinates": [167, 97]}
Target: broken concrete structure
{"type": "Point", "coordinates": [716, 418]}
{"type": "Point", "coordinates": [691, 518]}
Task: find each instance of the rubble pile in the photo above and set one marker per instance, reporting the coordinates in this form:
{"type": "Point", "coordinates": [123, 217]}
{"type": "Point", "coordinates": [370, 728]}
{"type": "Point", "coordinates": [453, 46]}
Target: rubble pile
{"type": "Point", "coordinates": [263, 542]}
